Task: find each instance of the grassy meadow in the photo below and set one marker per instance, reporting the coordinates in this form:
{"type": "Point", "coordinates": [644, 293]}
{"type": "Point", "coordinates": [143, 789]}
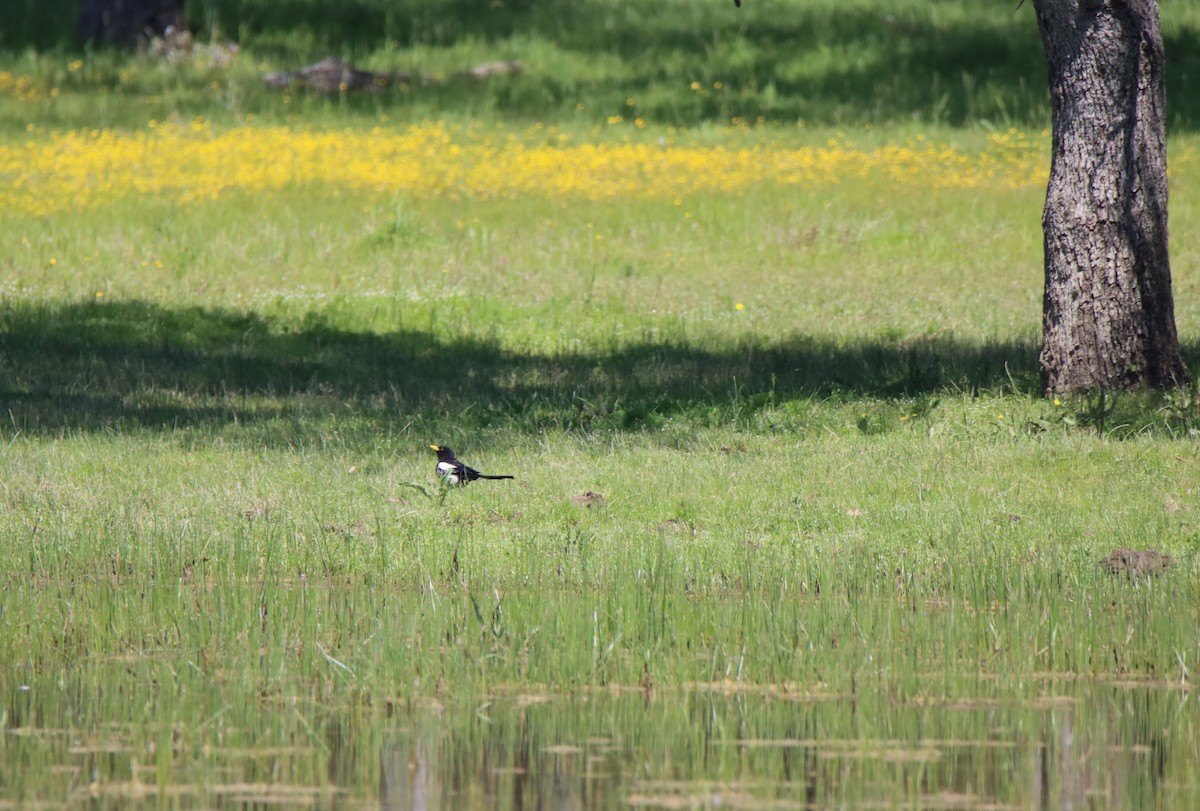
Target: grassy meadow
{"type": "Point", "coordinates": [757, 338]}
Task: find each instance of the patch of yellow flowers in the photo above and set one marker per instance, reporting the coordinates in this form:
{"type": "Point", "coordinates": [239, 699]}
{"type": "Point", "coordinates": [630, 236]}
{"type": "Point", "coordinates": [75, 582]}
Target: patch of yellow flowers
{"type": "Point", "coordinates": [184, 163]}
{"type": "Point", "coordinates": [21, 88]}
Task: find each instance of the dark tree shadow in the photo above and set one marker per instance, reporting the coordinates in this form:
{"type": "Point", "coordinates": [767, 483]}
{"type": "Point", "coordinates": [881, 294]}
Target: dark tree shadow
{"type": "Point", "coordinates": [100, 366]}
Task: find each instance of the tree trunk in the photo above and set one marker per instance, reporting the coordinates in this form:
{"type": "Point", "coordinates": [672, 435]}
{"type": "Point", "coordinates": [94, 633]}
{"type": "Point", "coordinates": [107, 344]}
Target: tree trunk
{"type": "Point", "coordinates": [1108, 317]}
{"type": "Point", "coordinates": [124, 22]}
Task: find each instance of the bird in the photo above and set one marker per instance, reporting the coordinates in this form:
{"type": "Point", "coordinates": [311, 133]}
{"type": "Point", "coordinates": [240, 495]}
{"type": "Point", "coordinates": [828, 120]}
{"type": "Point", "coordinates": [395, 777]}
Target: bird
{"type": "Point", "coordinates": [453, 472]}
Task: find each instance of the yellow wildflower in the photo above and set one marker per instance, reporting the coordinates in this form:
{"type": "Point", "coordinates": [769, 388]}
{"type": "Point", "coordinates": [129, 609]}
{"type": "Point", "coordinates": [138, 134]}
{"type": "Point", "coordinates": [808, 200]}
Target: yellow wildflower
{"type": "Point", "coordinates": [187, 162]}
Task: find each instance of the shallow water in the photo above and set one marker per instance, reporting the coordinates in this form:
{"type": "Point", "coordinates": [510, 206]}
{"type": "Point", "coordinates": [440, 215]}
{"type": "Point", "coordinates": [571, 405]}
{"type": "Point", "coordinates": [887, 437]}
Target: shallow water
{"type": "Point", "coordinates": [1074, 745]}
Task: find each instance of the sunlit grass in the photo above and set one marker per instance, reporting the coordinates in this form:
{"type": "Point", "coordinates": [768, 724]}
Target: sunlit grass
{"type": "Point", "coordinates": [801, 398]}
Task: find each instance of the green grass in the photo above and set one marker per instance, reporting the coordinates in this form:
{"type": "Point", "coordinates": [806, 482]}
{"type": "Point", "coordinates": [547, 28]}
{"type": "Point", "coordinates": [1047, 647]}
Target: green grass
{"type": "Point", "coordinates": [959, 62]}
{"type": "Point", "coordinates": [841, 512]}
{"type": "Point", "coordinates": [232, 426]}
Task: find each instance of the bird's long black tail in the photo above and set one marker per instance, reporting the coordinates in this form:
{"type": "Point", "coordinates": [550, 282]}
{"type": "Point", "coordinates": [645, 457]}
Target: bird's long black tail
{"type": "Point", "coordinates": [494, 477]}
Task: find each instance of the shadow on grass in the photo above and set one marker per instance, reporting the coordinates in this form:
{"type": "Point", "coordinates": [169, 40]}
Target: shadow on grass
{"type": "Point", "coordinates": [121, 365]}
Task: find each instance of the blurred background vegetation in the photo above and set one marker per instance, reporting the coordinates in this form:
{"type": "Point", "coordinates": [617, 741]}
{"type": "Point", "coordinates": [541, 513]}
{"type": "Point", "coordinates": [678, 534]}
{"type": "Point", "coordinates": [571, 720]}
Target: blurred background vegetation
{"type": "Point", "coordinates": [678, 62]}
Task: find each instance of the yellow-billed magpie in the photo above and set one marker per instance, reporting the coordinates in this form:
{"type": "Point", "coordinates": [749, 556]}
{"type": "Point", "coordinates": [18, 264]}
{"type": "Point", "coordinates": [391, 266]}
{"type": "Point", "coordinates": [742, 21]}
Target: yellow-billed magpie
{"type": "Point", "coordinates": [453, 472]}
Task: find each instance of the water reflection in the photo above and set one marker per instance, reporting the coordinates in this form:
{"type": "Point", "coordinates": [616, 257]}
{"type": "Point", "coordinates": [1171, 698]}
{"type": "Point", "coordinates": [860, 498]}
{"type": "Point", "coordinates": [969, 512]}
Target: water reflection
{"type": "Point", "coordinates": [1064, 746]}
{"type": "Point", "coordinates": [1127, 768]}
{"type": "Point", "coordinates": [1101, 748]}
{"type": "Point", "coordinates": [423, 770]}
{"type": "Point", "coordinates": [410, 769]}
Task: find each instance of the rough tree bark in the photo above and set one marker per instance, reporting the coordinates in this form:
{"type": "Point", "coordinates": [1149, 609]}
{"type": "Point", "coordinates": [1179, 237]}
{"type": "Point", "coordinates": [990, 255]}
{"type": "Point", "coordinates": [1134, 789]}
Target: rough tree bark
{"type": "Point", "coordinates": [1108, 313]}
{"type": "Point", "coordinates": [124, 22]}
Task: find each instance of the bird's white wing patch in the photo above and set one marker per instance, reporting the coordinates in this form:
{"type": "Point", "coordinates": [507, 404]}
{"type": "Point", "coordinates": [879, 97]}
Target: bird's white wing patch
{"type": "Point", "coordinates": [449, 472]}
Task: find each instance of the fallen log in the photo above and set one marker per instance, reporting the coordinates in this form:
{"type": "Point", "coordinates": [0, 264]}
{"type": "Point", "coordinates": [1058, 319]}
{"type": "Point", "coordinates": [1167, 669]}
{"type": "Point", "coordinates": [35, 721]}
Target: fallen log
{"type": "Point", "coordinates": [333, 75]}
